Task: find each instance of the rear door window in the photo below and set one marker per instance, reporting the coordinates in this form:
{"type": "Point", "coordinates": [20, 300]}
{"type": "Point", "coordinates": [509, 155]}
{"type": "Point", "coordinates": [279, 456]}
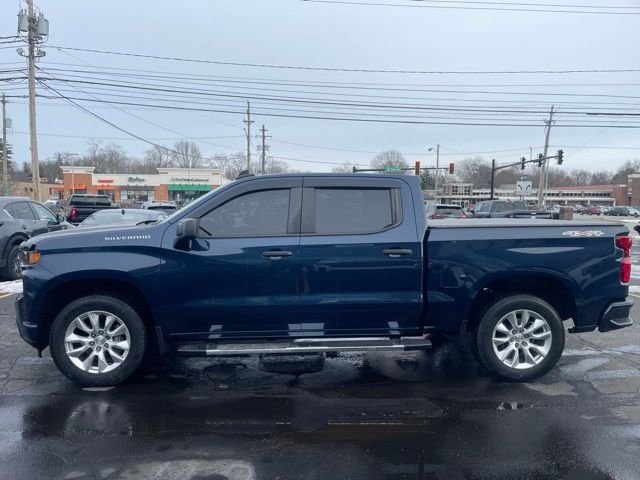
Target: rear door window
{"type": "Point", "coordinates": [20, 211]}
{"type": "Point", "coordinates": [353, 210]}
{"type": "Point", "coordinates": [449, 211]}
{"type": "Point", "coordinates": [504, 207]}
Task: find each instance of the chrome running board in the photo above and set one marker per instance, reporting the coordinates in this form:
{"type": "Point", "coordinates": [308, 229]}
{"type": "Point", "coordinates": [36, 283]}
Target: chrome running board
{"type": "Point", "coordinates": [304, 345]}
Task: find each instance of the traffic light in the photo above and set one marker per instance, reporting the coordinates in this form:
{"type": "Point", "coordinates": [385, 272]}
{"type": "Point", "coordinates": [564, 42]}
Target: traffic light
{"type": "Point", "coordinates": [451, 168]}
{"type": "Point", "coordinates": [540, 159]}
{"type": "Point", "coordinates": [560, 157]}
{"type": "Point", "coordinates": [417, 171]}
{"type": "Point", "coordinates": [522, 160]}
{"type": "Point", "coordinates": [9, 150]}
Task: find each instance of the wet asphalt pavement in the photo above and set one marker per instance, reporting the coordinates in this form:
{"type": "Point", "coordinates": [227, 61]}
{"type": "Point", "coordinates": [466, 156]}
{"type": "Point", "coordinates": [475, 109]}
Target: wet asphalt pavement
{"type": "Point", "coordinates": [389, 416]}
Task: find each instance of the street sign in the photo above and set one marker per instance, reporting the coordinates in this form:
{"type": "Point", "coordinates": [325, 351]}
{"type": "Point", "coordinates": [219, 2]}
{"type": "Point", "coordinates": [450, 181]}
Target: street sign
{"type": "Point", "coordinates": [392, 168]}
{"type": "Point", "coordinates": [523, 188]}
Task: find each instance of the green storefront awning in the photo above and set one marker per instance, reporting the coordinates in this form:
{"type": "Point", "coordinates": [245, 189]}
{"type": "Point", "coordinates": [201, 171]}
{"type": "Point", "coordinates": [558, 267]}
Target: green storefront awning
{"type": "Point", "coordinates": [188, 187]}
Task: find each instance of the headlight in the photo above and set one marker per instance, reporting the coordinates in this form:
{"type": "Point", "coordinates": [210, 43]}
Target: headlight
{"type": "Point", "coordinates": [33, 257]}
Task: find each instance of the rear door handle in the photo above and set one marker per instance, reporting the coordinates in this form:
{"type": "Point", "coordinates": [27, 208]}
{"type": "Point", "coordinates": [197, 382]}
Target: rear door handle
{"type": "Point", "coordinates": [277, 253]}
{"type": "Point", "coordinates": [397, 252]}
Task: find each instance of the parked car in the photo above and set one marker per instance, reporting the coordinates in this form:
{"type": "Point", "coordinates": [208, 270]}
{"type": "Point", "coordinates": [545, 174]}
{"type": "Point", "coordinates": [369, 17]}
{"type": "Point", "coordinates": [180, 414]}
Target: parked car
{"type": "Point", "coordinates": [317, 263]}
{"type": "Point", "coordinates": [444, 211]}
{"type": "Point", "coordinates": [20, 219]}
{"type": "Point", "coordinates": [592, 210]}
{"type": "Point", "coordinates": [81, 205]}
{"type": "Point", "coordinates": [633, 212]}
{"type": "Point", "coordinates": [506, 209]}
{"type": "Point", "coordinates": [167, 207]}
{"type": "Point", "coordinates": [125, 216]}
{"type": "Point", "coordinates": [52, 204]}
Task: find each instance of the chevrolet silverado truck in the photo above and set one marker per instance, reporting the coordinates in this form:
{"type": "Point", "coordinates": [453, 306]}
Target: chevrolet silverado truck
{"type": "Point", "coordinates": [305, 263]}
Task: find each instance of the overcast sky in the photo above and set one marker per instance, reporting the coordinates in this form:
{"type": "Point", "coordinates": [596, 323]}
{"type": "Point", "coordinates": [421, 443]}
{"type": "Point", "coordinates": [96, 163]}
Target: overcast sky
{"type": "Point", "coordinates": [293, 32]}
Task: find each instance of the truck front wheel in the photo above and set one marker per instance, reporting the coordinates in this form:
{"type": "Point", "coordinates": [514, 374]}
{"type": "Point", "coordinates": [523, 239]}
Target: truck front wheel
{"type": "Point", "coordinates": [98, 340]}
{"type": "Point", "coordinates": [519, 338]}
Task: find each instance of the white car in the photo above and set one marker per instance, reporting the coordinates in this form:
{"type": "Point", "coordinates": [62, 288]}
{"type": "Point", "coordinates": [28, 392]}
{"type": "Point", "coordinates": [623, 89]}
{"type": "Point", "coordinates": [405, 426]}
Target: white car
{"type": "Point", "coordinates": [633, 212]}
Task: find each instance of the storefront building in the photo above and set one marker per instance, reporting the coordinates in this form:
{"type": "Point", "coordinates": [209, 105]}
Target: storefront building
{"type": "Point", "coordinates": [180, 185]}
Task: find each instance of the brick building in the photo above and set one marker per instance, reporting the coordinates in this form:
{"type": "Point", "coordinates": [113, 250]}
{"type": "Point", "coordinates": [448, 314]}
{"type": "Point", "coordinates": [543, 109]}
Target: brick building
{"type": "Point", "coordinates": [180, 185]}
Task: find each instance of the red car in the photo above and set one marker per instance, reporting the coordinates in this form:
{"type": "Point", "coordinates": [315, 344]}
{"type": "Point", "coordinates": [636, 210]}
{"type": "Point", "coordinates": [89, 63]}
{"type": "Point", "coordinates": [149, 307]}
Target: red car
{"type": "Point", "coordinates": [592, 210]}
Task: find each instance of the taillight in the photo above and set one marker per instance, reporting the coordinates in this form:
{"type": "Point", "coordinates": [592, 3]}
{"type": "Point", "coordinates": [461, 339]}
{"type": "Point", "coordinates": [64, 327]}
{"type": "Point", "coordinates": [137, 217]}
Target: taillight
{"type": "Point", "coordinates": [511, 215]}
{"type": "Point", "coordinates": [463, 215]}
{"type": "Point", "coordinates": [624, 243]}
{"type": "Point", "coordinates": [74, 213]}
{"type": "Point", "coordinates": [435, 215]}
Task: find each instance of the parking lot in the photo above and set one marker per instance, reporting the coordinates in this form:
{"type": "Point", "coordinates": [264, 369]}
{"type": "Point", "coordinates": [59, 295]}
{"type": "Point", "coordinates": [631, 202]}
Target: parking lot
{"type": "Point", "coordinates": [431, 415]}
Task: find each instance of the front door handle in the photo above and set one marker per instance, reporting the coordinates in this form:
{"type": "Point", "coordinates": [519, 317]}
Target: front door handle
{"type": "Point", "coordinates": [277, 253]}
{"type": "Point", "coordinates": [397, 252]}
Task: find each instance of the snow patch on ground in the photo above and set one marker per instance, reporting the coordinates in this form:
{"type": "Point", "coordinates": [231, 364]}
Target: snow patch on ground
{"type": "Point", "coordinates": [634, 289]}
{"type": "Point", "coordinates": [14, 286]}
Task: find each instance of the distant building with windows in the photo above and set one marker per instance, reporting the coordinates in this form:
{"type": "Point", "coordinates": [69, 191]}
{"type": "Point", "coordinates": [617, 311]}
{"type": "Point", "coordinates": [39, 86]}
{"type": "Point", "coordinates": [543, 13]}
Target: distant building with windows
{"type": "Point", "coordinates": [465, 195]}
{"type": "Point", "coordinates": [181, 185]}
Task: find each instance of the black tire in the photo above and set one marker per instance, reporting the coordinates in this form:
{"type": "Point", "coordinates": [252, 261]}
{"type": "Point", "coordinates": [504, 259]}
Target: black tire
{"type": "Point", "coordinates": [125, 313]}
{"type": "Point", "coordinates": [488, 358]}
{"type": "Point", "coordinates": [13, 269]}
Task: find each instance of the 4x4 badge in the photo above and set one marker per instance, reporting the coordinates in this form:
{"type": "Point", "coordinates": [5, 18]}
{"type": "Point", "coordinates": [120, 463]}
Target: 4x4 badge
{"type": "Point", "coordinates": [583, 233]}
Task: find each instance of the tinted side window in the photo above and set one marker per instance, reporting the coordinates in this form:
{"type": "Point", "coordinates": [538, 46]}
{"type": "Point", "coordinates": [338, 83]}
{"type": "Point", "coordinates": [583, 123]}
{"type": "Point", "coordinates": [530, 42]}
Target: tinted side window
{"type": "Point", "coordinates": [43, 213]}
{"type": "Point", "coordinates": [504, 207]}
{"type": "Point", "coordinates": [353, 210]}
{"type": "Point", "coordinates": [254, 214]}
{"type": "Point", "coordinates": [22, 211]}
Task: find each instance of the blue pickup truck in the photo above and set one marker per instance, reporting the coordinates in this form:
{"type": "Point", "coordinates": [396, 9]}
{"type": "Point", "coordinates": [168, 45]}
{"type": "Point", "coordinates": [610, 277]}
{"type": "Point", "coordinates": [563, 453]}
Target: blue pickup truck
{"type": "Point", "coordinates": [318, 263]}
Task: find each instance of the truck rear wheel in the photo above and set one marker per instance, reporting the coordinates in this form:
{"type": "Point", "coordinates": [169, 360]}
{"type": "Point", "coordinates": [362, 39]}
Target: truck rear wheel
{"type": "Point", "coordinates": [519, 338]}
{"type": "Point", "coordinates": [98, 340]}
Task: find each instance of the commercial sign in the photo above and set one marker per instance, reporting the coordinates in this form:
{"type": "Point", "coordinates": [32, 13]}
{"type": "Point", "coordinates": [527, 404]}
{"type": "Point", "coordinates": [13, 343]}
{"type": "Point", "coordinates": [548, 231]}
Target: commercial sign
{"type": "Point", "coordinates": [135, 180]}
{"type": "Point", "coordinates": [523, 188]}
{"type": "Point", "coordinates": [187, 179]}
{"type": "Point", "coordinates": [105, 180]}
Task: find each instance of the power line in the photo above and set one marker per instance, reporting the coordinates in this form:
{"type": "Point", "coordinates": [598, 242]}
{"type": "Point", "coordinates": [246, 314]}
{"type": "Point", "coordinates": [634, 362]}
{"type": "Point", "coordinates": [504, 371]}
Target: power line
{"type": "Point", "coordinates": [137, 116]}
{"type": "Point", "coordinates": [461, 7]}
{"type": "Point", "coordinates": [127, 132]}
{"type": "Point", "coordinates": [352, 119]}
{"type": "Point", "coordinates": [337, 69]}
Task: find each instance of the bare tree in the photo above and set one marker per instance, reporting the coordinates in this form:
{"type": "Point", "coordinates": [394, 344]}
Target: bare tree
{"type": "Point", "coordinates": [474, 170]}
{"type": "Point", "coordinates": [601, 177]}
{"type": "Point", "coordinates": [186, 154]}
{"type": "Point", "coordinates": [626, 169]}
{"type": "Point", "coordinates": [157, 157]}
{"type": "Point", "coordinates": [580, 176]}
{"type": "Point", "coordinates": [106, 158]}
{"type": "Point", "coordinates": [344, 168]}
{"type": "Point", "coordinates": [230, 165]}
{"type": "Point", "coordinates": [389, 159]}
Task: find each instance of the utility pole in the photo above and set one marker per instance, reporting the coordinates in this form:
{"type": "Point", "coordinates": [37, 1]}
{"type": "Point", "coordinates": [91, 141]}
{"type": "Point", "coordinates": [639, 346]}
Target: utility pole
{"type": "Point", "coordinates": [437, 169]}
{"type": "Point", "coordinates": [545, 166]}
{"type": "Point", "coordinates": [248, 121]}
{"type": "Point", "coordinates": [35, 167]}
{"type": "Point", "coordinates": [264, 149]}
{"type": "Point", "coordinates": [5, 180]}
{"type": "Point", "coordinates": [493, 175]}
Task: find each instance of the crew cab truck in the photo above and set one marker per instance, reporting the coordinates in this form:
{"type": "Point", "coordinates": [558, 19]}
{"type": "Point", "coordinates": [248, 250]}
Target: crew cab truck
{"type": "Point", "coordinates": [317, 263]}
{"type": "Point", "coordinates": [79, 206]}
{"type": "Point", "coordinates": [506, 209]}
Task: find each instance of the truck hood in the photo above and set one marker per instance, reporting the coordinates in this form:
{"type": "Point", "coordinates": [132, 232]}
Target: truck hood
{"type": "Point", "coordinates": [130, 235]}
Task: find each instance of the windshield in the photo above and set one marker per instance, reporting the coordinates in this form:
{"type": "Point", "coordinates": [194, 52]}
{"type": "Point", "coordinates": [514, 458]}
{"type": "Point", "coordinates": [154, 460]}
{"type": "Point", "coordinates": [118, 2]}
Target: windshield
{"type": "Point", "coordinates": [112, 217]}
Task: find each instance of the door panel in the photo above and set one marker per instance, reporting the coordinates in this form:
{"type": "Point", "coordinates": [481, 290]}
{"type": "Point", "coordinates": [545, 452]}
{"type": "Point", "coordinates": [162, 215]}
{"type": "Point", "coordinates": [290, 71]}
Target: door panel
{"type": "Point", "coordinates": [358, 280]}
{"type": "Point", "coordinates": [232, 283]}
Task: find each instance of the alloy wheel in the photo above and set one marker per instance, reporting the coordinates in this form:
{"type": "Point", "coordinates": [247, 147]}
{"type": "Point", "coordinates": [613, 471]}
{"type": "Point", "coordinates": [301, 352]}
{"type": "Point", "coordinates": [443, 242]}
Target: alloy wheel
{"type": "Point", "coordinates": [522, 339]}
{"type": "Point", "coordinates": [97, 342]}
